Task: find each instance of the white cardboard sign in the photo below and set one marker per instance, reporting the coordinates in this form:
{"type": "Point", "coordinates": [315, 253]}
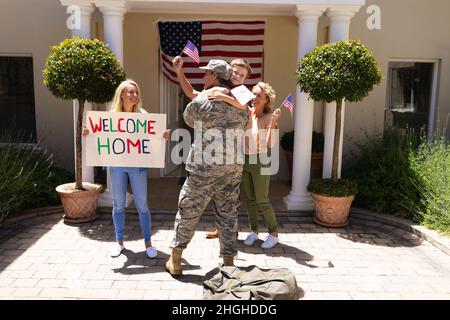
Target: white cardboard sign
{"type": "Point", "coordinates": [125, 139]}
{"type": "Point", "coordinates": [242, 94]}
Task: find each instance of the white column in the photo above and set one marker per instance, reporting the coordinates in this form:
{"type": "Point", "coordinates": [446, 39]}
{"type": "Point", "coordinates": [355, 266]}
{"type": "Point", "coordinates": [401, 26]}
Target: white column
{"type": "Point", "coordinates": [339, 30]}
{"type": "Point", "coordinates": [85, 9]}
{"type": "Point", "coordinates": [299, 198]}
{"type": "Point", "coordinates": [84, 31]}
{"type": "Point", "coordinates": [113, 15]}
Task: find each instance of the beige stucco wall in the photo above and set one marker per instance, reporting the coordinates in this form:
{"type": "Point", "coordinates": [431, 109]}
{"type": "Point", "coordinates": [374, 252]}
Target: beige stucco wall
{"type": "Point", "coordinates": [30, 27]}
{"type": "Point", "coordinates": [410, 29]}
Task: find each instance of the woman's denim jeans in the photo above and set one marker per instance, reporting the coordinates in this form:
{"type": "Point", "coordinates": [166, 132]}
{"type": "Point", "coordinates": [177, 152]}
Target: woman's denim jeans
{"type": "Point", "coordinates": [138, 181]}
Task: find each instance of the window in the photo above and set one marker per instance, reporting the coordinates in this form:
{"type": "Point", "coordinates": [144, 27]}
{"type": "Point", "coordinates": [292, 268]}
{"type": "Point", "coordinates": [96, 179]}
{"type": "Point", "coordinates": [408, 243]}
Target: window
{"type": "Point", "coordinates": [412, 95]}
{"type": "Point", "coordinates": [17, 98]}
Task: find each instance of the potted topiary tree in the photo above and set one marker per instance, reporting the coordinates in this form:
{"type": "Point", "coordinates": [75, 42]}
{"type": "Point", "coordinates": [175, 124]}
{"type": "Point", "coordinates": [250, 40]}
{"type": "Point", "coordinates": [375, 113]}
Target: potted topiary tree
{"type": "Point", "coordinates": [84, 70]}
{"type": "Point", "coordinates": [334, 72]}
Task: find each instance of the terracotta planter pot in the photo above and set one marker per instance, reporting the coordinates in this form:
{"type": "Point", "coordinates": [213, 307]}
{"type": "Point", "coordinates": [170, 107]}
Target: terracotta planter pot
{"type": "Point", "coordinates": [79, 206]}
{"type": "Point", "coordinates": [331, 212]}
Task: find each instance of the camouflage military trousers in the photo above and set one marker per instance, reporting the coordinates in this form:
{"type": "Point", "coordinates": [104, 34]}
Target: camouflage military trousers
{"type": "Point", "coordinates": [195, 195]}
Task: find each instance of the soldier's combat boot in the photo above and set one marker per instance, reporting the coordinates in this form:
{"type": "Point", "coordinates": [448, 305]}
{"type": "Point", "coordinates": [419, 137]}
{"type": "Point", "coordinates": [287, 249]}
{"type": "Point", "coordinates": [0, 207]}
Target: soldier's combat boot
{"type": "Point", "coordinates": [173, 265]}
{"type": "Point", "coordinates": [228, 261]}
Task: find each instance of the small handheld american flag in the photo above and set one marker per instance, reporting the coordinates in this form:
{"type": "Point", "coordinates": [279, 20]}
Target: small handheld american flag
{"type": "Point", "coordinates": [287, 103]}
{"type": "Point", "coordinates": [191, 50]}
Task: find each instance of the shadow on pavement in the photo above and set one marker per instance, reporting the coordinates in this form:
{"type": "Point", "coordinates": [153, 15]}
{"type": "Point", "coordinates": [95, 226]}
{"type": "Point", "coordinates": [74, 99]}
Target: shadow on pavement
{"type": "Point", "coordinates": [138, 263]}
{"type": "Point", "coordinates": [102, 229]}
{"type": "Point", "coordinates": [380, 235]}
{"type": "Point", "coordinates": [280, 250]}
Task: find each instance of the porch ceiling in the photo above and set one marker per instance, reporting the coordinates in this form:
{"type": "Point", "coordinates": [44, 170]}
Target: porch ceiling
{"type": "Point", "coordinates": [245, 7]}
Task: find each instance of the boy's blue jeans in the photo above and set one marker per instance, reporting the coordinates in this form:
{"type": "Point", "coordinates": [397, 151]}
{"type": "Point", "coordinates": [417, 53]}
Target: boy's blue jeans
{"type": "Point", "coordinates": [138, 181]}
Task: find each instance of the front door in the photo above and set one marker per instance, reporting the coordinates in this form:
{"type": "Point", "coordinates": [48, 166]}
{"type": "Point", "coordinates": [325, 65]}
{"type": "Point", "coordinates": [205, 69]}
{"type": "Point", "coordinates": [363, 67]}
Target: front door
{"type": "Point", "coordinates": [171, 100]}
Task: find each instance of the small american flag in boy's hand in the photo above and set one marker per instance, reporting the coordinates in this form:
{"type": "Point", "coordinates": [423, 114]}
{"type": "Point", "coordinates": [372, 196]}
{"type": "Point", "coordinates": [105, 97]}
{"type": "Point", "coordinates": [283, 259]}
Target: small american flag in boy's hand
{"type": "Point", "coordinates": [287, 103]}
{"type": "Point", "coordinates": [191, 50]}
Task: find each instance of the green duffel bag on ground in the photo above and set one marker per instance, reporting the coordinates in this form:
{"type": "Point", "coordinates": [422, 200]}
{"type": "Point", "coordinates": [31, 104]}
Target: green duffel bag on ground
{"type": "Point", "coordinates": [251, 283]}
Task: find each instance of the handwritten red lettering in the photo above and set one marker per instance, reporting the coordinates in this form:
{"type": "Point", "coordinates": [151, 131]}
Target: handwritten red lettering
{"type": "Point", "coordinates": [150, 127]}
{"type": "Point", "coordinates": [118, 124]}
{"type": "Point", "coordinates": [94, 126]}
{"type": "Point", "coordinates": [136, 144]}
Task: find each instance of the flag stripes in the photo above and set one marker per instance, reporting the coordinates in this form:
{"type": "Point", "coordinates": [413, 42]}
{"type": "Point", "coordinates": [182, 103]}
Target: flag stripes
{"type": "Point", "coordinates": [215, 39]}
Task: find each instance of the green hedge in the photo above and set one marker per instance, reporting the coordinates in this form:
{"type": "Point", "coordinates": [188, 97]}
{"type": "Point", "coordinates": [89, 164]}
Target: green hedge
{"type": "Point", "coordinates": [29, 178]}
{"type": "Point", "coordinates": [383, 173]}
{"type": "Point", "coordinates": [431, 167]}
{"type": "Point", "coordinates": [404, 175]}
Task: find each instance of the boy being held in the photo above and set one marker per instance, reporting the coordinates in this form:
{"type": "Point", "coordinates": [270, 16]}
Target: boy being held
{"type": "Point", "coordinates": [241, 72]}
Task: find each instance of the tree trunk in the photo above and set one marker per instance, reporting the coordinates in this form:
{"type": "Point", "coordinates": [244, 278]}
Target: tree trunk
{"type": "Point", "coordinates": [78, 170]}
{"type": "Point", "coordinates": [337, 140]}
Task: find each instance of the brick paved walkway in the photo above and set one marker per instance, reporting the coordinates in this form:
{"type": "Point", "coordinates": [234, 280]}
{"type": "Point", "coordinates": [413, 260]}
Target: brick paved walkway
{"type": "Point", "coordinates": [44, 258]}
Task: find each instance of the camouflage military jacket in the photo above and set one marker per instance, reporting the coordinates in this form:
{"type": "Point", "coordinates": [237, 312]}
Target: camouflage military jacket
{"type": "Point", "coordinates": [218, 131]}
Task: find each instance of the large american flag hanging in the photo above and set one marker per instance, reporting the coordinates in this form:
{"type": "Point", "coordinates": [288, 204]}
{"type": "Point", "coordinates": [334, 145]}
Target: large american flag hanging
{"type": "Point", "coordinates": [224, 39]}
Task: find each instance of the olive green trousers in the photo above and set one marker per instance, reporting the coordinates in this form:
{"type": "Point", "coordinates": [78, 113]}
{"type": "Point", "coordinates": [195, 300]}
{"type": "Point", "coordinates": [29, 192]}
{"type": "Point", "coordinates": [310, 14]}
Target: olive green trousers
{"type": "Point", "coordinates": [256, 190]}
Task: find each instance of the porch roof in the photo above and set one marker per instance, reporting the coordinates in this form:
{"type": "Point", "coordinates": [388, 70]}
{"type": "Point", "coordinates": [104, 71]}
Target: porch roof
{"type": "Point", "coordinates": [245, 7]}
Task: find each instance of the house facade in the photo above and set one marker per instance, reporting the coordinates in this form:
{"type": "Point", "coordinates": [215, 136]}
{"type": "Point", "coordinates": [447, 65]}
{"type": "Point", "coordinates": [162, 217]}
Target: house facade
{"type": "Point", "coordinates": [409, 39]}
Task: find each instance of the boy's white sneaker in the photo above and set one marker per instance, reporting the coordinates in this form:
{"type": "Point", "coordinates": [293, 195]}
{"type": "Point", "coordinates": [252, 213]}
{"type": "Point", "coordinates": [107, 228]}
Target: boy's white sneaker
{"type": "Point", "coordinates": [270, 242]}
{"type": "Point", "coordinates": [251, 238]}
{"type": "Point", "coordinates": [116, 250]}
{"type": "Point", "coordinates": [151, 252]}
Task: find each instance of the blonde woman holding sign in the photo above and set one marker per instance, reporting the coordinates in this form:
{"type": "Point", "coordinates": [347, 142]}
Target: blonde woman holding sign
{"type": "Point", "coordinates": [128, 99]}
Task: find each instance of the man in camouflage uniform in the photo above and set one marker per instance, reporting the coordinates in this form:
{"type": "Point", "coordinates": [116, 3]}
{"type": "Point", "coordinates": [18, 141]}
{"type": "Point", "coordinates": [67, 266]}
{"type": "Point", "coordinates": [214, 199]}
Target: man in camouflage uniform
{"type": "Point", "coordinates": [212, 175]}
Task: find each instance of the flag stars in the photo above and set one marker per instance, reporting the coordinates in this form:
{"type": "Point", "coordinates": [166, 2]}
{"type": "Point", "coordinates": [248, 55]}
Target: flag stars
{"type": "Point", "coordinates": [174, 35]}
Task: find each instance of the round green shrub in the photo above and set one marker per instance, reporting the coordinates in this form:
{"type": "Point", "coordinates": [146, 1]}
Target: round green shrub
{"type": "Point", "coordinates": [341, 70]}
{"type": "Point", "coordinates": [82, 69]}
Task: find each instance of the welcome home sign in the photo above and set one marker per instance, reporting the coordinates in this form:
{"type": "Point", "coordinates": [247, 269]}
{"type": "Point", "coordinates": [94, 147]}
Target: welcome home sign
{"type": "Point", "coordinates": [125, 139]}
